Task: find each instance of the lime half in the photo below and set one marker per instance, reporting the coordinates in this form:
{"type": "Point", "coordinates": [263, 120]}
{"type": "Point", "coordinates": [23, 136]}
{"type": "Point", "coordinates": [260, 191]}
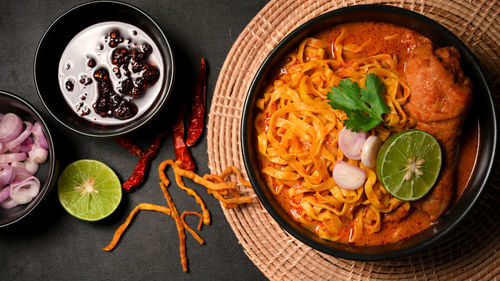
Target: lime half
{"type": "Point", "coordinates": [89, 190]}
{"type": "Point", "coordinates": [408, 164]}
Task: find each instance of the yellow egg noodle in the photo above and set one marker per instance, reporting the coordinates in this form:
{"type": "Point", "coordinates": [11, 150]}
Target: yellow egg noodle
{"type": "Point", "coordinates": [297, 136]}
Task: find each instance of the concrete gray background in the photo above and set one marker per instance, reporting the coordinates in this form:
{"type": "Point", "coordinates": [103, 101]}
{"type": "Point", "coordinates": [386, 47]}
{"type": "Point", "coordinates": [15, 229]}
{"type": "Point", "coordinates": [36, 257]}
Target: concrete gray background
{"type": "Point", "coordinates": [49, 244]}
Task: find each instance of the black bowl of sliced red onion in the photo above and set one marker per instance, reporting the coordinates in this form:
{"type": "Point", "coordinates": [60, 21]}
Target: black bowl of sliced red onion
{"type": "Point", "coordinates": [27, 162]}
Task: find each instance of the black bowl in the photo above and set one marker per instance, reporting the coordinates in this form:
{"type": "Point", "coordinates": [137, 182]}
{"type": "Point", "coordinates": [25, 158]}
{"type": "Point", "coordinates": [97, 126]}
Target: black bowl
{"type": "Point", "coordinates": [57, 37]}
{"type": "Point", "coordinates": [46, 171]}
{"type": "Point", "coordinates": [482, 109]}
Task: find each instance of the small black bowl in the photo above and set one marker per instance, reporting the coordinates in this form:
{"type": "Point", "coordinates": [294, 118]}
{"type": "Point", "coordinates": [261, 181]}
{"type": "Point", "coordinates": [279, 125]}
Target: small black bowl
{"type": "Point", "coordinates": [482, 109]}
{"type": "Point", "coordinates": [46, 172]}
{"type": "Point", "coordinates": [57, 37]}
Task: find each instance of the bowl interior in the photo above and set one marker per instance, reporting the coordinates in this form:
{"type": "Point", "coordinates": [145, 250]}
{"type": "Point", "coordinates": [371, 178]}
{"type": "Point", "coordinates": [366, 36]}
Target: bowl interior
{"type": "Point", "coordinates": [57, 37]}
{"type": "Point", "coordinates": [486, 116]}
{"type": "Point", "coordinates": [46, 171]}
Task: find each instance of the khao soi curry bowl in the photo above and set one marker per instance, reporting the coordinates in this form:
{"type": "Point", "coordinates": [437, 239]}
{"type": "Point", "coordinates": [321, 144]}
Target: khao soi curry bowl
{"type": "Point", "coordinates": [362, 134]}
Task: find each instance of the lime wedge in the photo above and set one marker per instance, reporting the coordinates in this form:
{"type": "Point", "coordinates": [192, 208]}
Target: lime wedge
{"type": "Point", "coordinates": [89, 190]}
{"type": "Point", "coordinates": [408, 164]}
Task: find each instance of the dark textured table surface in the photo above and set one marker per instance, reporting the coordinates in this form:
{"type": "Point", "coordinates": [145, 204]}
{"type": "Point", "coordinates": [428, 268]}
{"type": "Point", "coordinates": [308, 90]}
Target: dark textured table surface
{"type": "Point", "coordinates": [49, 244]}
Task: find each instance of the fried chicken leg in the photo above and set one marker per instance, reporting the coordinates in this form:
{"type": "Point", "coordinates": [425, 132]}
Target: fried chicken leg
{"type": "Point", "coordinates": [440, 99]}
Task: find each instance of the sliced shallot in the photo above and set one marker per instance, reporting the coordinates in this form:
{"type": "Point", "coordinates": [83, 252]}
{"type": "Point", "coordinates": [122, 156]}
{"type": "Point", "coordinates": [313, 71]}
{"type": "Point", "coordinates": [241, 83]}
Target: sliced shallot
{"type": "Point", "coordinates": [6, 175]}
{"type": "Point", "coordinates": [30, 165]}
{"type": "Point", "coordinates": [21, 137]}
{"type": "Point", "coordinates": [369, 151]}
{"type": "Point", "coordinates": [38, 154]}
{"type": "Point", "coordinates": [351, 142]}
{"type": "Point", "coordinates": [17, 142]}
{"type": "Point", "coordinates": [12, 157]}
{"type": "Point", "coordinates": [8, 203]}
{"type": "Point", "coordinates": [17, 164]}
{"type": "Point", "coordinates": [4, 193]}
{"type": "Point", "coordinates": [348, 176]}
{"type": "Point", "coordinates": [39, 136]}
{"type": "Point", "coordinates": [20, 174]}
{"type": "Point", "coordinates": [25, 146]}
{"type": "Point", "coordinates": [24, 191]}
{"type": "Point", "coordinates": [11, 126]}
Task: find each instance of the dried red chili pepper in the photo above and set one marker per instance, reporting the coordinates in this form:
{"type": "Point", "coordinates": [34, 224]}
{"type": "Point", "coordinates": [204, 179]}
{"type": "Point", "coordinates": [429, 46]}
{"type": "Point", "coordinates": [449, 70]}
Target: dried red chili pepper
{"type": "Point", "coordinates": [127, 143]}
{"type": "Point", "coordinates": [198, 108]}
{"type": "Point", "coordinates": [181, 150]}
{"type": "Point", "coordinates": [142, 166]}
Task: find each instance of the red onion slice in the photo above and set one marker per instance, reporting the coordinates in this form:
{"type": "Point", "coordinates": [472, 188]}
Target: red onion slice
{"type": "Point", "coordinates": [6, 176]}
{"type": "Point", "coordinates": [39, 136]}
{"type": "Point", "coordinates": [24, 191]}
{"type": "Point", "coordinates": [351, 142]}
{"type": "Point", "coordinates": [8, 203]}
{"type": "Point", "coordinates": [19, 139]}
{"type": "Point", "coordinates": [4, 194]}
{"type": "Point", "coordinates": [348, 176]}
{"type": "Point", "coordinates": [12, 157]}
{"type": "Point", "coordinates": [11, 126]}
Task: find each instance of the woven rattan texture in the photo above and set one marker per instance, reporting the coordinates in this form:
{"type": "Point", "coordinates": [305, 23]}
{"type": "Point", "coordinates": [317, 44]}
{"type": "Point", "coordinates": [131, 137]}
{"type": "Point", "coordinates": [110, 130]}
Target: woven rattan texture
{"type": "Point", "coordinates": [472, 252]}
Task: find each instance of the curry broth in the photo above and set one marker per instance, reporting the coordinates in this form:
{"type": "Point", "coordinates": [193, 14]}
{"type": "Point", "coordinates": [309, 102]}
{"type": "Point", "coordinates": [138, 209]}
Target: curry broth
{"type": "Point", "coordinates": [467, 155]}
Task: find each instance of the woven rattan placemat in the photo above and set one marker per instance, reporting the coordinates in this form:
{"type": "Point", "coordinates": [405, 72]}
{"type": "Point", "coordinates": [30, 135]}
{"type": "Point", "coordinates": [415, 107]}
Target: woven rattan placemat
{"type": "Point", "coordinates": [471, 252]}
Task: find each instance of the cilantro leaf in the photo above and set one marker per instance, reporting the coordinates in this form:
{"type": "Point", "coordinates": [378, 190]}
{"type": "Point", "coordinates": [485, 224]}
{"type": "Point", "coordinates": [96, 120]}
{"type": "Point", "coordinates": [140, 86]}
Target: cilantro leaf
{"type": "Point", "coordinates": [364, 107]}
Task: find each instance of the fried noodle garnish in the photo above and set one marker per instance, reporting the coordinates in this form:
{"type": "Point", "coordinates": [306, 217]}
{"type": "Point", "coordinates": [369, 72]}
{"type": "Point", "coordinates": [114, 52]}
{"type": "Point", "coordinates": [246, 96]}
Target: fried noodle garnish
{"type": "Point", "coordinates": [216, 185]}
{"type": "Point", "coordinates": [226, 192]}
{"type": "Point", "coordinates": [119, 232]}
{"type": "Point", "coordinates": [180, 227]}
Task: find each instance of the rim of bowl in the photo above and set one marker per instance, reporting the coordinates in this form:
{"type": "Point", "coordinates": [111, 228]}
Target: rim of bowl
{"type": "Point", "coordinates": [137, 123]}
{"type": "Point", "coordinates": [51, 161]}
{"type": "Point", "coordinates": [252, 174]}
